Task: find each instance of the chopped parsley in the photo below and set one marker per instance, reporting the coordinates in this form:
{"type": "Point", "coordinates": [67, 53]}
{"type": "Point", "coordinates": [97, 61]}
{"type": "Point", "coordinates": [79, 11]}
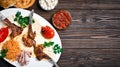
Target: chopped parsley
{"type": "Point", "coordinates": [23, 21]}
{"type": "Point", "coordinates": [57, 49]}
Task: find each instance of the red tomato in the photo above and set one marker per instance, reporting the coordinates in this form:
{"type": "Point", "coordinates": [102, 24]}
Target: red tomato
{"type": "Point", "coordinates": [3, 34]}
{"type": "Point", "coordinates": [47, 32]}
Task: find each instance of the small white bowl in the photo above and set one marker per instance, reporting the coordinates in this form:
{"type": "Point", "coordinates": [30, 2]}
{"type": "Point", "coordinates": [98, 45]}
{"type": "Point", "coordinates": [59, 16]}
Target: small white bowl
{"type": "Point", "coordinates": [48, 4]}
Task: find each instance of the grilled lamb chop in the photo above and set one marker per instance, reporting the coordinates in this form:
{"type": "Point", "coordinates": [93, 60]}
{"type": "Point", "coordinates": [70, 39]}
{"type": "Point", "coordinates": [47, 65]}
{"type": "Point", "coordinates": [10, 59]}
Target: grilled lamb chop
{"type": "Point", "coordinates": [29, 39]}
{"type": "Point", "coordinates": [31, 34]}
{"type": "Point", "coordinates": [38, 50]}
{"type": "Point", "coordinates": [16, 30]}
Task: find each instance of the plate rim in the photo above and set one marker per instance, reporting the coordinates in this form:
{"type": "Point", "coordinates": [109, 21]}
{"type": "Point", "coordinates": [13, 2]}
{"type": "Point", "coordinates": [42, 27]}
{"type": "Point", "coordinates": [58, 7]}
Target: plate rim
{"type": "Point", "coordinates": [20, 9]}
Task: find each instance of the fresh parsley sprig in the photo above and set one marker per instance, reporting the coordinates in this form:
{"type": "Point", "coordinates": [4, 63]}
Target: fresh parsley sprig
{"type": "Point", "coordinates": [3, 53]}
{"type": "Point", "coordinates": [56, 47]}
{"type": "Point", "coordinates": [48, 44]}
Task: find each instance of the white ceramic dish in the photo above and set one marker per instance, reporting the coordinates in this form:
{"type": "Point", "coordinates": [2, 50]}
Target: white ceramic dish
{"type": "Point", "coordinates": [40, 21]}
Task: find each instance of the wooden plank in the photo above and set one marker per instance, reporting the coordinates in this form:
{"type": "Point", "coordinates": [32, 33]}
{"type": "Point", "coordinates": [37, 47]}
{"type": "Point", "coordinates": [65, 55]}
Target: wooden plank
{"type": "Point", "coordinates": [84, 4]}
{"type": "Point", "coordinates": [91, 43]}
{"type": "Point", "coordinates": [90, 58]}
{"type": "Point", "coordinates": [89, 4]}
{"type": "Point", "coordinates": [95, 19]}
{"type": "Point", "coordinates": [90, 33]}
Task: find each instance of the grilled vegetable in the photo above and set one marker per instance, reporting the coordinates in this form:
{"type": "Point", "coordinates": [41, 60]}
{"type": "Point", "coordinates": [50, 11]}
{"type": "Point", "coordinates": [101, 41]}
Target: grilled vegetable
{"type": "Point", "coordinates": [47, 32]}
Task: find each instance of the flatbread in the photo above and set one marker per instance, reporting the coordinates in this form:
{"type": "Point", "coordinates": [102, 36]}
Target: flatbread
{"type": "Point", "coordinates": [7, 3]}
{"type": "Point", "coordinates": [24, 3]}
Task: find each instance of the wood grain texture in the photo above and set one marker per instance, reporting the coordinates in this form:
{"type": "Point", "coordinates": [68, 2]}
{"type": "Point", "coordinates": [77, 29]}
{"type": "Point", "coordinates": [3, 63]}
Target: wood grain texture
{"type": "Point", "coordinates": [85, 4]}
{"type": "Point", "coordinates": [93, 38]}
{"type": "Point", "coordinates": [90, 58]}
{"type": "Point", "coordinates": [90, 4]}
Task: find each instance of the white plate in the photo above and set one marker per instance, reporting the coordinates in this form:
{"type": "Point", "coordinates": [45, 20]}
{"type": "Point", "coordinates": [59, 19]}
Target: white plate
{"type": "Point", "coordinates": [41, 21]}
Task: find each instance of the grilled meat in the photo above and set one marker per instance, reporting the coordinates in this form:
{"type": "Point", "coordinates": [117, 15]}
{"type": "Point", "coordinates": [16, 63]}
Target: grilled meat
{"type": "Point", "coordinates": [29, 39]}
{"type": "Point", "coordinates": [31, 34]}
{"type": "Point", "coordinates": [16, 30]}
{"type": "Point", "coordinates": [38, 50]}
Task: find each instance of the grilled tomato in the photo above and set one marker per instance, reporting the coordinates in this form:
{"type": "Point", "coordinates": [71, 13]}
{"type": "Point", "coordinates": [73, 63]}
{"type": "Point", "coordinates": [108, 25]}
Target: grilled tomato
{"type": "Point", "coordinates": [47, 32]}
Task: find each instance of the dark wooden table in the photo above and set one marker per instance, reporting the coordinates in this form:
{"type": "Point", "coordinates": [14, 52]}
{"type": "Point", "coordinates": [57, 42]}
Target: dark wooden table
{"type": "Point", "coordinates": [93, 38]}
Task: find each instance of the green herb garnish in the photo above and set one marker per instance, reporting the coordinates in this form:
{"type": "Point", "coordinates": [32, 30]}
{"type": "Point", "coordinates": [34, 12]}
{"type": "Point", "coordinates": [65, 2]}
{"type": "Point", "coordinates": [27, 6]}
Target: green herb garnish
{"type": "Point", "coordinates": [23, 21]}
{"type": "Point", "coordinates": [48, 44]}
{"type": "Point", "coordinates": [18, 14]}
{"type": "Point", "coordinates": [3, 53]}
{"type": "Point", "coordinates": [56, 48]}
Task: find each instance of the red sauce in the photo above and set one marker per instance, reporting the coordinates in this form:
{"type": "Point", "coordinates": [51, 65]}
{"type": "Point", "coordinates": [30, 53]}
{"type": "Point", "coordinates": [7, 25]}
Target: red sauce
{"type": "Point", "coordinates": [61, 19]}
